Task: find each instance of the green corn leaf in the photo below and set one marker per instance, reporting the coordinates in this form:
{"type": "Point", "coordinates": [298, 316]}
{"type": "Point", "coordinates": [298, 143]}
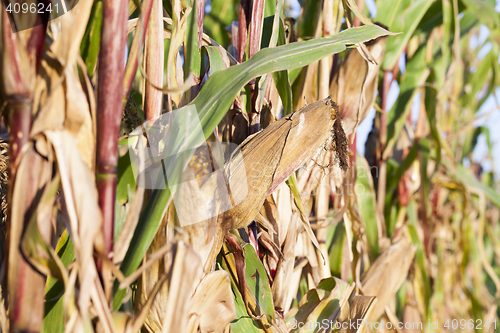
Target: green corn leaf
{"type": "Point", "coordinates": [223, 13]}
{"type": "Point", "coordinates": [216, 62]}
{"type": "Point", "coordinates": [335, 253]}
{"type": "Point", "coordinates": [400, 16]}
{"type": "Point", "coordinates": [430, 106]}
{"type": "Point", "coordinates": [415, 76]}
{"type": "Point", "coordinates": [89, 48]}
{"type": "Point", "coordinates": [471, 181]}
{"type": "Point", "coordinates": [54, 291]}
{"type": "Point", "coordinates": [192, 63]}
{"type": "Point", "coordinates": [257, 288]}
{"type": "Point", "coordinates": [365, 194]}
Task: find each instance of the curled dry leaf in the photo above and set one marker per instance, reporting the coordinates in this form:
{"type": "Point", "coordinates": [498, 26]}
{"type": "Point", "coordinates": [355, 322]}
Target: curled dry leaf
{"type": "Point", "coordinates": [357, 310]}
{"type": "Point", "coordinates": [284, 272]}
{"type": "Point", "coordinates": [386, 275]}
{"type": "Point", "coordinates": [320, 305]}
{"type": "Point", "coordinates": [79, 191]}
{"type": "Point", "coordinates": [355, 84]}
{"type": "Point", "coordinates": [240, 268]}
{"type": "Point", "coordinates": [153, 63]}
{"type": "Point", "coordinates": [151, 277]}
{"type": "Point", "coordinates": [212, 305]}
{"type": "Point", "coordinates": [269, 219]}
{"type": "Point", "coordinates": [284, 202]}
{"type": "Point", "coordinates": [60, 101]}
{"type": "Point", "coordinates": [411, 313]}
{"type": "Point", "coordinates": [170, 308]}
{"type": "Point", "coordinates": [185, 274]}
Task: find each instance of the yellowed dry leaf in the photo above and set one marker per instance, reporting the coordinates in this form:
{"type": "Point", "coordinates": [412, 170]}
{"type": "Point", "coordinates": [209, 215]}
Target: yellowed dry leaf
{"type": "Point", "coordinates": [212, 304]}
{"type": "Point", "coordinates": [355, 84]}
{"type": "Point", "coordinates": [282, 280]}
{"type": "Point", "coordinates": [154, 62]}
{"type": "Point", "coordinates": [357, 311]}
{"type": "Point", "coordinates": [386, 275]}
{"type": "Point", "coordinates": [284, 201]}
{"type": "Point", "coordinates": [186, 273]}
{"type": "Point", "coordinates": [320, 306]}
{"type": "Point", "coordinates": [78, 187]}
{"type": "Point", "coordinates": [173, 280]}
{"type": "Point", "coordinates": [59, 81]}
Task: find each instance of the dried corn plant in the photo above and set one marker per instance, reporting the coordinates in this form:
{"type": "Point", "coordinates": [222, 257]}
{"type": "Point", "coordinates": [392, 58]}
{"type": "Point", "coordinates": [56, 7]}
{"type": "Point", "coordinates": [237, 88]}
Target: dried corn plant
{"type": "Point", "coordinates": [209, 180]}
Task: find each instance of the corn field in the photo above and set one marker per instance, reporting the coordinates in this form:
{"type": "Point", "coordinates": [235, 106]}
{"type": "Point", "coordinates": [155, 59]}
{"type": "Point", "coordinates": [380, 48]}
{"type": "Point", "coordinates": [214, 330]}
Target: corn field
{"type": "Point", "coordinates": [193, 166]}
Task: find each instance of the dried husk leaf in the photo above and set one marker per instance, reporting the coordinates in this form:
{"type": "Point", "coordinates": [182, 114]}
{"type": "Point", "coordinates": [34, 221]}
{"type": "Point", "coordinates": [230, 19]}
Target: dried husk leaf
{"type": "Point", "coordinates": [284, 201]}
{"type": "Point", "coordinates": [386, 275]}
{"type": "Point", "coordinates": [323, 303]}
{"type": "Point", "coordinates": [357, 311]}
{"type": "Point", "coordinates": [170, 308]}
{"type": "Point", "coordinates": [355, 84]}
{"type": "Point", "coordinates": [264, 225]}
{"type": "Point", "coordinates": [60, 100]}
{"type": "Point", "coordinates": [212, 304]}
{"type": "Point", "coordinates": [269, 214]}
{"type": "Point", "coordinates": [154, 62]}
{"type": "Point", "coordinates": [186, 272]}
{"type": "Point", "coordinates": [284, 271]}
{"type": "Point", "coordinates": [321, 212]}
{"type": "Point", "coordinates": [79, 191]}
{"type": "Point", "coordinates": [153, 275]}
{"type": "Point", "coordinates": [411, 313]}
